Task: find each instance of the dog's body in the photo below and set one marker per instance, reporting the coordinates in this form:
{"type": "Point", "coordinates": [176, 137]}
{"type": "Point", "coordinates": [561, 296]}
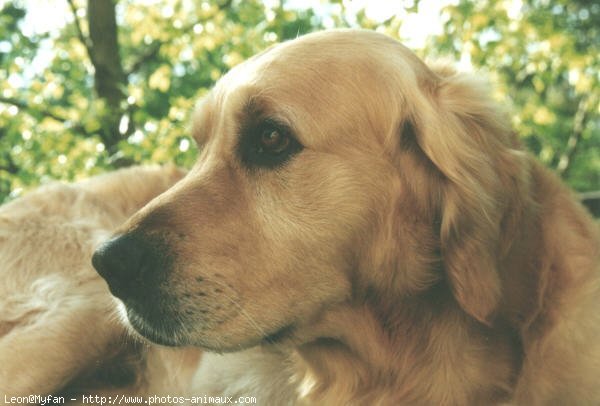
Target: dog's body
{"type": "Point", "coordinates": [363, 229]}
{"type": "Point", "coordinates": [59, 329]}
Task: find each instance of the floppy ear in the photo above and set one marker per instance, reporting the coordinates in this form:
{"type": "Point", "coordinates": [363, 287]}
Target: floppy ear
{"type": "Point", "coordinates": [464, 136]}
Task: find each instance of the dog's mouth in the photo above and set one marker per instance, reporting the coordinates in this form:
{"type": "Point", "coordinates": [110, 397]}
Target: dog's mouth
{"type": "Point", "coordinates": [170, 331]}
{"type": "Point", "coordinates": [279, 336]}
{"type": "Point", "coordinates": [166, 336]}
{"type": "Point", "coordinates": [162, 333]}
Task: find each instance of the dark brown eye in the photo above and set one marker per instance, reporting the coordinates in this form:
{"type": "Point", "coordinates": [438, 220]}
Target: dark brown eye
{"type": "Point", "coordinates": [273, 141]}
{"type": "Point", "coordinates": [268, 145]}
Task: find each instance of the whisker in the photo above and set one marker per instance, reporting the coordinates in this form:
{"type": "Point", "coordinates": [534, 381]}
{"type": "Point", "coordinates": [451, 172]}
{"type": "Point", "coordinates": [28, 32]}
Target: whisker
{"type": "Point", "coordinates": [254, 324]}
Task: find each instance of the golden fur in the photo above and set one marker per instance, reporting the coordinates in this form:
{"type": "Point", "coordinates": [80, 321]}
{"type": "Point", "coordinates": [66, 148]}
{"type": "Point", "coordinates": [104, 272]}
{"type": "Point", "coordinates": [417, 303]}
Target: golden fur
{"type": "Point", "coordinates": [59, 331]}
{"type": "Point", "coordinates": [411, 253]}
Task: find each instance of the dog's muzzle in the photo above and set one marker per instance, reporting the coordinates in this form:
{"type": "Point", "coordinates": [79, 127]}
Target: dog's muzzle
{"type": "Point", "coordinates": [130, 264]}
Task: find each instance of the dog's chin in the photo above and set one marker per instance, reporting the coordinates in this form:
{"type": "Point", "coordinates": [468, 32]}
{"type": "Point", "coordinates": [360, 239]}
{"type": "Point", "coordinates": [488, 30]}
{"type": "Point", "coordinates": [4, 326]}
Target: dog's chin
{"type": "Point", "coordinates": [170, 334]}
{"type": "Point", "coordinates": [279, 338]}
{"type": "Point", "coordinates": [158, 333]}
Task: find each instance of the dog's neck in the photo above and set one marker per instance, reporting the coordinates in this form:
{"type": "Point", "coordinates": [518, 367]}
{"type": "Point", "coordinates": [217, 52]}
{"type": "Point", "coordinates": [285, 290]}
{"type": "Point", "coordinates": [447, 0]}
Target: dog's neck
{"type": "Point", "coordinates": [403, 351]}
{"type": "Point", "coordinates": [422, 348]}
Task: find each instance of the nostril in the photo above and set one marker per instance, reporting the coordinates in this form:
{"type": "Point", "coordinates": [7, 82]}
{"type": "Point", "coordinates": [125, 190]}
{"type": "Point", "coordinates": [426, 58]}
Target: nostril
{"type": "Point", "coordinates": [119, 262]}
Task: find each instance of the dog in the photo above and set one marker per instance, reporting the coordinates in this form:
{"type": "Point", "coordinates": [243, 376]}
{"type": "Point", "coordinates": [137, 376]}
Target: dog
{"type": "Point", "coordinates": [60, 332]}
{"type": "Point", "coordinates": [372, 229]}
{"type": "Point", "coordinates": [361, 228]}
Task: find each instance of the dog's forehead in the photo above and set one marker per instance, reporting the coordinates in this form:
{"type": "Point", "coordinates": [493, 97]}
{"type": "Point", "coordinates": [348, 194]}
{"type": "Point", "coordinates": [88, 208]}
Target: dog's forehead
{"type": "Point", "coordinates": [327, 77]}
{"type": "Point", "coordinates": [323, 58]}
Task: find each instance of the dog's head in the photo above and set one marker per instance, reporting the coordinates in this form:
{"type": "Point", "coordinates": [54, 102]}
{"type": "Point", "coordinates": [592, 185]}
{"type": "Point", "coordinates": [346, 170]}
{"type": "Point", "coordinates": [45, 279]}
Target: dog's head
{"type": "Point", "coordinates": [331, 165]}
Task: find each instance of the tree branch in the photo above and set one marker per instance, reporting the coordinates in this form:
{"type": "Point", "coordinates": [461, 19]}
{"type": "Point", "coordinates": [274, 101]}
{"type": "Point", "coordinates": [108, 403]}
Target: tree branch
{"type": "Point", "coordinates": [225, 4]}
{"type": "Point", "coordinates": [10, 166]}
{"type": "Point", "coordinates": [36, 112]}
{"type": "Point", "coordinates": [155, 46]}
{"type": "Point", "coordinates": [84, 40]}
{"type": "Point", "coordinates": [579, 124]}
{"type": "Point", "coordinates": [42, 112]}
{"type": "Point", "coordinates": [150, 53]}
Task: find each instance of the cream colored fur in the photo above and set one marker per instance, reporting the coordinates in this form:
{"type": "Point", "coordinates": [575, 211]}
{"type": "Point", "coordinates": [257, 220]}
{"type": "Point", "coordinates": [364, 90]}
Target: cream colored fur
{"type": "Point", "coordinates": [58, 322]}
{"type": "Point", "coordinates": [411, 254]}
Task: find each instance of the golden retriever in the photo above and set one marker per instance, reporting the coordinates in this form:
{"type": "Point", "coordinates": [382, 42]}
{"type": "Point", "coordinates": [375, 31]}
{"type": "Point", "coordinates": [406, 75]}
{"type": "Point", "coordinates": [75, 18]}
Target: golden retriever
{"type": "Point", "coordinates": [59, 330]}
{"type": "Point", "coordinates": [361, 228]}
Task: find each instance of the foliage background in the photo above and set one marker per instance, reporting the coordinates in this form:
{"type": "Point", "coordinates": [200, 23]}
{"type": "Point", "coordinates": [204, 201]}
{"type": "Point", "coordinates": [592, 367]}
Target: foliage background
{"type": "Point", "coordinates": [115, 85]}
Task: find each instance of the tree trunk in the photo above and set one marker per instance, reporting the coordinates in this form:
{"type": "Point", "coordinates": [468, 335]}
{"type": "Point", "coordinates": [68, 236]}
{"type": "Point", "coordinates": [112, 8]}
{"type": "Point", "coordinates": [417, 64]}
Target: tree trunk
{"type": "Point", "coordinates": [109, 77]}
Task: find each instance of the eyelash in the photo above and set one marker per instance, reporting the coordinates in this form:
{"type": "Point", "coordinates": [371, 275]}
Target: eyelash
{"type": "Point", "coordinates": [268, 145]}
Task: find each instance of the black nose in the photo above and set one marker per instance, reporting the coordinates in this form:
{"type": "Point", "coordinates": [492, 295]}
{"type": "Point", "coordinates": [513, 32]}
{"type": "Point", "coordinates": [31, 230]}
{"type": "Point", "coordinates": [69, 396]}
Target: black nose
{"type": "Point", "coordinates": [128, 263]}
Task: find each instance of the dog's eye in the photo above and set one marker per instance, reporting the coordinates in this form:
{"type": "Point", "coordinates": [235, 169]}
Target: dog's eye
{"type": "Point", "coordinates": [268, 145]}
{"type": "Point", "coordinates": [273, 141]}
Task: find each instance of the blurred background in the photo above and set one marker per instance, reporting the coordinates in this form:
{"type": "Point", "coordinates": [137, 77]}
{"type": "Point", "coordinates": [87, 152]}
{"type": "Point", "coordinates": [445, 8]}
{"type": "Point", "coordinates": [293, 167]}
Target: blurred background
{"type": "Point", "coordinates": [87, 86]}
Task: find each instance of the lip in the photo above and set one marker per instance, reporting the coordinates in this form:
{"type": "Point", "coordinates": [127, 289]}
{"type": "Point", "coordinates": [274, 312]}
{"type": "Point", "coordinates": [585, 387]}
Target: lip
{"type": "Point", "coordinates": [279, 335]}
{"type": "Point", "coordinates": [164, 335]}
